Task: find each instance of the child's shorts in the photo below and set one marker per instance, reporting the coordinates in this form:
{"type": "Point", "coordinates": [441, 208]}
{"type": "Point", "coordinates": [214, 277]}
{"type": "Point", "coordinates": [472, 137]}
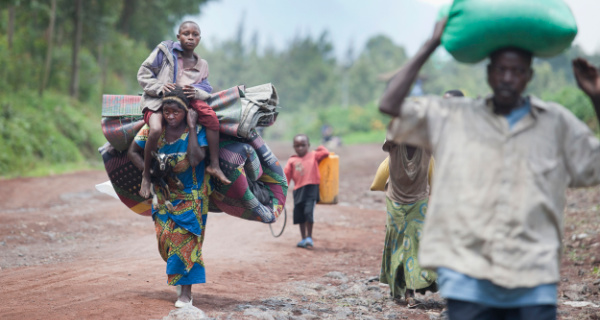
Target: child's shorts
{"type": "Point", "coordinates": [147, 114]}
{"type": "Point", "coordinates": [305, 199]}
{"type": "Point", "coordinates": [206, 115]}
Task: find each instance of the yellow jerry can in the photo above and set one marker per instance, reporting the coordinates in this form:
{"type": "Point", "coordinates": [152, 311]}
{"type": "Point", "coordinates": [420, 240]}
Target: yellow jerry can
{"type": "Point", "coordinates": [329, 168]}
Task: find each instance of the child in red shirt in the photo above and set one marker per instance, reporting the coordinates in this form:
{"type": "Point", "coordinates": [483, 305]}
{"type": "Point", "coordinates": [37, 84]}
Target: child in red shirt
{"type": "Point", "coordinates": [303, 169]}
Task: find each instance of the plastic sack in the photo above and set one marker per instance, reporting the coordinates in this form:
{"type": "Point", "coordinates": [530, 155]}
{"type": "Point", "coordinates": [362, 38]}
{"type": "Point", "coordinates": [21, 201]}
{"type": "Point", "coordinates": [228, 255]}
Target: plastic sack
{"type": "Point", "coordinates": [381, 176]}
{"type": "Point", "coordinates": [476, 28]}
{"type": "Point", "coordinates": [431, 171]}
{"type": "Point", "coordinates": [443, 12]}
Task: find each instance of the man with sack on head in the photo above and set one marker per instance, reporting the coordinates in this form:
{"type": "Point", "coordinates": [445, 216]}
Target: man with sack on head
{"type": "Point", "coordinates": [503, 164]}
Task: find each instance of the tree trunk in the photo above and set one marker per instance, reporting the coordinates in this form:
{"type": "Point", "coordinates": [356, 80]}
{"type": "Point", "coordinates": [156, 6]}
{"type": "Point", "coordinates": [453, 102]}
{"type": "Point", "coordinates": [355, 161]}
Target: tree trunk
{"type": "Point", "coordinates": [11, 26]}
{"type": "Point", "coordinates": [124, 20]}
{"type": "Point", "coordinates": [49, 49]}
{"type": "Point", "coordinates": [74, 88]}
{"type": "Point", "coordinates": [102, 64]}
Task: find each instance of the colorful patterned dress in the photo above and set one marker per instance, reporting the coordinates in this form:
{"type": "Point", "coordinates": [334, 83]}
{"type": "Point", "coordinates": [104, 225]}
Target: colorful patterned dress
{"type": "Point", "coordinates": [406, 202]}
{"type": "Point", "coordinates": [180, 233]}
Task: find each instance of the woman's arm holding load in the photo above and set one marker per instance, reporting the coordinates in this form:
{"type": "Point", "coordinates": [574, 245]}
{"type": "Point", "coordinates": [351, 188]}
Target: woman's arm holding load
{"type": "Point", "coordinates": [135, 154]}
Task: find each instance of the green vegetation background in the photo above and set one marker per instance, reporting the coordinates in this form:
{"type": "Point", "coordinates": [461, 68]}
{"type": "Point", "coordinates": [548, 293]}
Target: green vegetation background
{"type": "Point", "coordinates": [52, 78]}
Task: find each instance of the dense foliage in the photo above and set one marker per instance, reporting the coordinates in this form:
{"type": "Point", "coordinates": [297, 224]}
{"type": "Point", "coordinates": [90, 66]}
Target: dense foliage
{"type": "Point", "coordinates": [59, 56]}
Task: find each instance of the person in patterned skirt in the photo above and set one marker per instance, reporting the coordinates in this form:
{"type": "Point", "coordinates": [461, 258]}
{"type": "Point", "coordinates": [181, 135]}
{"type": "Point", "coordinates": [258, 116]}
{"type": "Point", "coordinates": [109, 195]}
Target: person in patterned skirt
{"type": "Point", "coordinates": [407, 194]}
{"type": "Point", "coordinates": [180, 230]}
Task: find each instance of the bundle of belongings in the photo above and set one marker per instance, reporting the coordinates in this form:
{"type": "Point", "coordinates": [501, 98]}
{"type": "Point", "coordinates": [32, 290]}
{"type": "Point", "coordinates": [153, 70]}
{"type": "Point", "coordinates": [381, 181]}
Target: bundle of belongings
{"type": "Point", "coordinates": [476, 28]}
{"type": "Point", "coordinates": [258, 185]}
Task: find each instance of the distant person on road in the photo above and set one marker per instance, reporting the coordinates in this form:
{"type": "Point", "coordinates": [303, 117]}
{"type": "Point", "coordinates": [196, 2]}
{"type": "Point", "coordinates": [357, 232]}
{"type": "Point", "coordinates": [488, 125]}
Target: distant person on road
{"type": "Point", "coordinates": [303, 169]}
{"type": "Point", "coordinates": [326, 133]}
{"type": "Point", "coordinates": [407, 197]}
{"type": "Point", "coordinates": [180, 231]}
{"type": "Point", "coordinates": [503, 164]}
{"type": "Point", "coordinates": [328, 139]}
{"type": "Point", "coordinates": [175, 63]}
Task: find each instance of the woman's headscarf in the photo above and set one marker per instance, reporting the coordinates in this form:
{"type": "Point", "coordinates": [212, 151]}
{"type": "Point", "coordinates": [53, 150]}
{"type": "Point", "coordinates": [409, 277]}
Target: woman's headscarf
{"type": "Point", "coordinates": [176, 95]}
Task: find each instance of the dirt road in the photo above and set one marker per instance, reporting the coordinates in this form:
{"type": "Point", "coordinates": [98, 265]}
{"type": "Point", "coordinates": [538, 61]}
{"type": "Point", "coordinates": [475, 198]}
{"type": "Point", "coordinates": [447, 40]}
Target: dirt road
{"type": "Point", "coordinates": [69, 252]}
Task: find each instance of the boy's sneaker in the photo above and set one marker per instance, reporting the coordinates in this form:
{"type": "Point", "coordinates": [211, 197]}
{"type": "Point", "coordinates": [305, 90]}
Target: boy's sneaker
{"type": "Point", "coordinates": [309, 242]}
{"type": "Point", "coordinates": [302, 244]}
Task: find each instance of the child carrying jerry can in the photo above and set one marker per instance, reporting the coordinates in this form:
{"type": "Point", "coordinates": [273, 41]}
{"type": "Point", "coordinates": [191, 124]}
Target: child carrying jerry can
{"type": "Point", "coordinates": [304, 170]}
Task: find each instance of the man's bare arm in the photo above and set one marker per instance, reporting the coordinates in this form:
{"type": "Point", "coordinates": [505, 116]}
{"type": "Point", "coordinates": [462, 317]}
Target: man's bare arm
{"type": "Point", "coordinates": [398, 88]}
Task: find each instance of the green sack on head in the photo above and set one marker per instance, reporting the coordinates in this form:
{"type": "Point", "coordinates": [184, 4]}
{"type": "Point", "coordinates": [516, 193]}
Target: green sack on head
{"type": "Point", "coordinates": [476, 28]}
{"type": "Point", "coordinates": [444, 11]}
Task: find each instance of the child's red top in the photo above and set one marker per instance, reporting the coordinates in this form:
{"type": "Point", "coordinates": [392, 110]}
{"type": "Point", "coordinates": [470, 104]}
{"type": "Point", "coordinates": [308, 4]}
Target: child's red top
{"type": "Point", "coordinates": [304, 171]}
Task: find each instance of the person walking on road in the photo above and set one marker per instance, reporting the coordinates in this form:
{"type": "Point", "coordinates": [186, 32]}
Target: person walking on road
{"type": "Point", "coordinates": [503, 164]}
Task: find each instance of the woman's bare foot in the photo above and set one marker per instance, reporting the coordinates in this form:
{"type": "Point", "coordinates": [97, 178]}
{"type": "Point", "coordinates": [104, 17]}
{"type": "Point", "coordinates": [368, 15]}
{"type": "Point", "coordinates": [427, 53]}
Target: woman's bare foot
{"type": "Point", "coordinates": [216, 172]}
{"type": "Point", "coordinates": [145, 187]}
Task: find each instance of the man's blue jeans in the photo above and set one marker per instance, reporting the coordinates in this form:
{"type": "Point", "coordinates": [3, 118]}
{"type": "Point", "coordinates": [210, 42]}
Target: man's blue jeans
{"type": "Point", "coordinates": [463, 310]}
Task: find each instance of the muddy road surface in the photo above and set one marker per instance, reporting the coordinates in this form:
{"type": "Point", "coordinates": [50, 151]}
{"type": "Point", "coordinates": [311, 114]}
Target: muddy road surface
{"type": "Point", "coordinates": [70, 252]}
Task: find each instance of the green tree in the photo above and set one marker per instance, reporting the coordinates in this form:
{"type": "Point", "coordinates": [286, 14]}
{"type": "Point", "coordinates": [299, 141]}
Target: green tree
{"type": "Point", "coordinates": [307, 74]}
{"type": "Point", "coordinates": [78, 23]}
{"type": "Point", "coordinates": [576, 101]}
{"type": "Point", "coordinates": [380, 55]}
{"type": "Point", "coordinates": [50, 45]}
{"type": "Point", "coordinates": [441, 75]}
{"type": "Point", "coordinates": [151, 21]}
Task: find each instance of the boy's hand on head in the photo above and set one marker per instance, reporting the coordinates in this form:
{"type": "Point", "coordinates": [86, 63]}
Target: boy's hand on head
{"type": "Point", "coordinates": [192, 118]}
{"type": "Point", "coordinates": [169, 87]}
{"type": "Point", "coordinates": [189, 91]}
{"type": "Point", "coordinates": [194, 93]}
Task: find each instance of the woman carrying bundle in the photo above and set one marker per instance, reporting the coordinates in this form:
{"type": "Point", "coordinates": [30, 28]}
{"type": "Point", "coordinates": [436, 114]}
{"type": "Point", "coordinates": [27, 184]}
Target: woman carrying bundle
{"type": "Point", "coordinates": [180, 231]}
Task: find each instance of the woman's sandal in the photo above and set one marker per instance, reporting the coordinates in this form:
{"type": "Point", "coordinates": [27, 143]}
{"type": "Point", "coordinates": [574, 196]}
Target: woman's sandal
{"type": "Point", "coordinates": [411, 303]}
{"type": "Point", "coordinates": [181, 304]}
{"type": "Point", "coordinates": [409, 297]}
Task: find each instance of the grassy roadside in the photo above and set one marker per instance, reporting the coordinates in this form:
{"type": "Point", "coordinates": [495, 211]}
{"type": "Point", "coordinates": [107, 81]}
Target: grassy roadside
{"type": "Point", "coordinates": [47, 135]}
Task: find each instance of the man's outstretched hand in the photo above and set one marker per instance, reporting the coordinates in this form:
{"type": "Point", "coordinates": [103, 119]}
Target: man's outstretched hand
{"type": "Point", "coordinates": [587, 77]}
